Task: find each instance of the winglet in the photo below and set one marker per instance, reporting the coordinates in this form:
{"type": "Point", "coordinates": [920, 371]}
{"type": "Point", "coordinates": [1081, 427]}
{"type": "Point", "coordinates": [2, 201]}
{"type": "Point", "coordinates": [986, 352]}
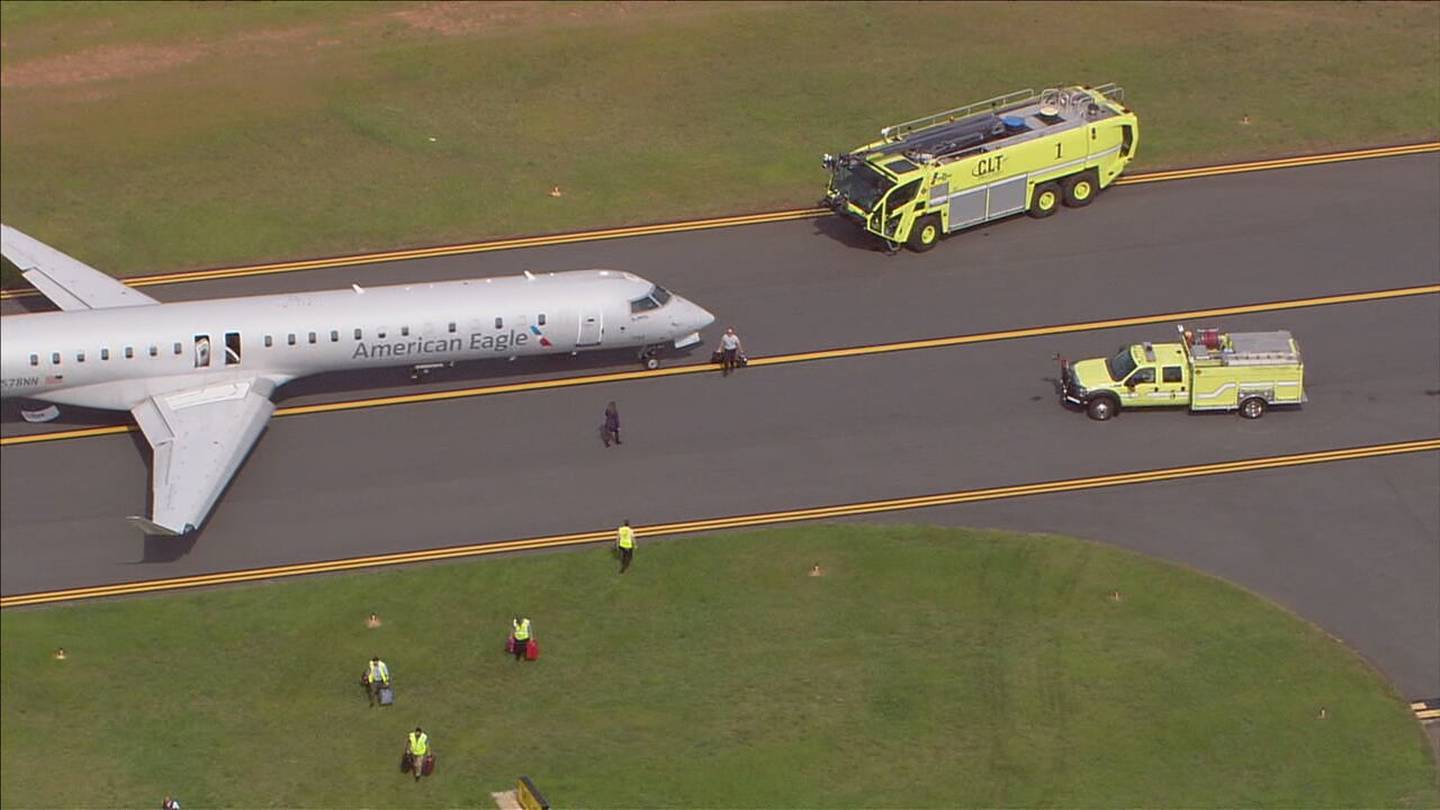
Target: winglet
{"type": "Point", "coordinates": [150, 527]}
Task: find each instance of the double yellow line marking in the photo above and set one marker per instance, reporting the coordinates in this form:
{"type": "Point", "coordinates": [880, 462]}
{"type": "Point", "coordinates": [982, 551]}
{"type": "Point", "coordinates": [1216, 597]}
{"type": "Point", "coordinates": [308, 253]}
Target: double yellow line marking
{"type": "Point", "coordinates": [801, 357]}
{"type": "Point", "coordinates": [732, 522]}
{"type": "Point", "coordinates": [1279, 163]}
{"type": "Point", "coordinates": [706, 224]}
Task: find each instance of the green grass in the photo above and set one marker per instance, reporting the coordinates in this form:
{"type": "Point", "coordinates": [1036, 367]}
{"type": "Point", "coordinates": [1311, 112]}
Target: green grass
{"type": "Point", "coordinates": [926, 668]}
{"type": "Point", "coordinates": [151, 137]}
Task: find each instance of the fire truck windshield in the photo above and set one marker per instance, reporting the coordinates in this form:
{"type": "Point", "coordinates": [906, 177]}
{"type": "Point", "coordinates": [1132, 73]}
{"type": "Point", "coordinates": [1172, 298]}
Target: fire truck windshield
{"type": "Point", "coordinates": [1120, 365]}
{"type": "Point", "coordinates": [860, 183]}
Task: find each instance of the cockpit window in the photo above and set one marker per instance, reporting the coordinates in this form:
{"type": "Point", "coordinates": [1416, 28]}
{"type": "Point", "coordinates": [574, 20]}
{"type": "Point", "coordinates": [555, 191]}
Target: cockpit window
{"type": "Point", "coordinates": [657, 298]}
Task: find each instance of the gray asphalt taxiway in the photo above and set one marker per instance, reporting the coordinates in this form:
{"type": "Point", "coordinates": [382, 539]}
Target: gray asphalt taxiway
{"type": "Point", "coordinates": [1353, 546]}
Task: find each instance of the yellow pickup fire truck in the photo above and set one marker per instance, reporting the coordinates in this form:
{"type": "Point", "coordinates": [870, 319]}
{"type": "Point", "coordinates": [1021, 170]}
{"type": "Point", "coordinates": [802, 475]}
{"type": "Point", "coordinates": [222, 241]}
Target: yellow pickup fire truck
{"type": "Point", "coordinates": [1024, 151]}
{"type": "Point", "coordinates": [1208, 370]}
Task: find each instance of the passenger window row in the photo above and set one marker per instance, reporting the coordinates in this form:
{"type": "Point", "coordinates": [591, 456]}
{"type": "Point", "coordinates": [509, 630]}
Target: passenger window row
{"type": "Point", "coordinates": [290, 340]}
{"type": "Point", "coordinates": [55, 358]}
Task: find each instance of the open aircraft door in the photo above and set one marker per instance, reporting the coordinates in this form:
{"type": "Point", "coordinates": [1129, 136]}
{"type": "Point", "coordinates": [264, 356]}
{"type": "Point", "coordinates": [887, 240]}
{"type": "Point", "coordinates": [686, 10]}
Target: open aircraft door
{"type": "Point", "coordinates": [592, 324]}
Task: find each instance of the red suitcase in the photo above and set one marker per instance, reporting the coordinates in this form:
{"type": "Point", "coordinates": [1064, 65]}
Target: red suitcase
{"type": "Point", "coordinates": [427, 765]}
{"type": "Point", "coordinates": [532, 650]}
{"type": "Point", "coordinates": [510, 644]}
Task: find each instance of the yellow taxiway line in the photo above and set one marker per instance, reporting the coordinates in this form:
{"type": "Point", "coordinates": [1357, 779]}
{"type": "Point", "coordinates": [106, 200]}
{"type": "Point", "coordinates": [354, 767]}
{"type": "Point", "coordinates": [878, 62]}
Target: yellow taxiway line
{"type": "Point", "coordinates": [782, 359]}
{"type": "Point", "coordinates": [706, 224]}
{"type": "Point", "coordinates": [732, 522]}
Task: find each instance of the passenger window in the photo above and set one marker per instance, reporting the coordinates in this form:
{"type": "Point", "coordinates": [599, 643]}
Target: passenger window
{"type": "Point", "coordinates": [202, 351]}
{"type": "Point", "coordinates": [452, 326]}
{"type": "Point", "coordinates": [404, 331]}
{"type": "Point", "coordinates": [34, 359]}
{"type": "Point", "coordinates": [55, 358]}
{"type": "Point", "coordinates": [290, 339]}
{"type": "Point", "coordinates": [1173, 374]}
{"type": "Point", "coordinates": [269, 341]}
{"type": "Point", "coordinates": [312, 337]}
{"type": "Point", "coordinates": [155, 350]}
{"type": "Point", "coordinates": [178, 348]}
{"type": "Point", "coordinates": [1144, 375]}
{"type": "Point", "coordinates": [380, 333]}
{"type": "Point", "coordinates": [334, 335]}
{"type": "Point", "coordinates": [129, 352]}
{"type": "Point", "coordinates": [499, 323]}
{"type": "Point", "coordinates": [542, 319]}
{"type": "Point", "coordinates": [79, 357]}
{"type": "Point", "coordinates": [104, 354]}
{"type": "Point", "coordinates": [357, 334]}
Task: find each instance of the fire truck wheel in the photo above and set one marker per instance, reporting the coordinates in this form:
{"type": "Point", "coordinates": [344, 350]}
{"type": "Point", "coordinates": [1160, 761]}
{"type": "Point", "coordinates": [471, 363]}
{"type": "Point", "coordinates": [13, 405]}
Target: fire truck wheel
{"type": "Point", "coordinates": [1046, 200]}
{"type": "Point", "coordinates": [925, 234]}
{"type": "Point", "coordinates": [1252, 408]}
{"type": "Point", "coordinates": [1101, 408]}
{"type": "Point", "coordinates": [1079, 189]}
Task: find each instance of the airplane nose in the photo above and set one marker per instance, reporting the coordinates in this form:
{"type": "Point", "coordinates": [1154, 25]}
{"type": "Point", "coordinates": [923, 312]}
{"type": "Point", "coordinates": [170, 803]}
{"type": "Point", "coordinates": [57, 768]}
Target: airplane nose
{"type": "Point", "coordinates": [703, 318]}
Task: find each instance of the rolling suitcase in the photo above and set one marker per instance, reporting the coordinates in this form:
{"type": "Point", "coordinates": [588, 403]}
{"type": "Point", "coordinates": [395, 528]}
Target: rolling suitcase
{"type": "Point", "coordinates": [532, 650]}
{"type": "Point", "coordinates": [387, 696]}
{"type": "Point", "coordinates": [405, 762]}
{"type": "Point", "coordinates": [427, 765]}
{"type": "Point", "coordinates": [510, 644]}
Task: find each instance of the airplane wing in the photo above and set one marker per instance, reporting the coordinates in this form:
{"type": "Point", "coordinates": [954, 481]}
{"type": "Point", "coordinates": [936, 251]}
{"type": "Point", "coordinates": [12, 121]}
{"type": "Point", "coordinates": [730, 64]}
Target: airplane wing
{"type": "Point", "coordinates": [69, 282]}
{"type": "Point", "coordinates": [199, 436]}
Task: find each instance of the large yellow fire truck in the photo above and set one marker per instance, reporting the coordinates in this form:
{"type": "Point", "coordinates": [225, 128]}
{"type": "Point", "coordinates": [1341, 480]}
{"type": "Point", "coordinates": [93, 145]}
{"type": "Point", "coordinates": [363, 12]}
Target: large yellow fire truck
{"type": "Point", "coordinates": [1025, 151]}
{"type": "Point", "coordinates": [1208, 370]}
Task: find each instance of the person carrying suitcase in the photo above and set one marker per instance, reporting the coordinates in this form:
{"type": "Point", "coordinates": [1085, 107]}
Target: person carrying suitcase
{"type": "Point", "coordinates": [417, 751]}
{"type": "Point", "coordinates": [729, 352]}
{"type": "Point", "coordinates": [377, 677]}
{"type": "Point", "coordinates": [520, 635]}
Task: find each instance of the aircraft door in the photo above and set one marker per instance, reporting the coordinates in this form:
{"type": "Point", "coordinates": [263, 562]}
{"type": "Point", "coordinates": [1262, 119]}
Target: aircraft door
{"type": "Point", "coordinates": [202, 351]}
{"type": "Point", "coordinates": [232, 348]}
{"type": "Point", "coordinates": [592, 326]}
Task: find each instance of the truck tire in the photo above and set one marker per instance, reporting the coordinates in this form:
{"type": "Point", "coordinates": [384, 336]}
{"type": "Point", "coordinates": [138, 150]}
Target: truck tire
{"type": "Point", "coordinates": [1080, 189]}
{"type": "Point", "coordinates": [925, 234]}
{"type": "Point", "coordinates": [1253, 408]}
{"type": "Point", "coordinates": [1102, 408]}
{"type": "Point", "coordinates": [1046, 200]}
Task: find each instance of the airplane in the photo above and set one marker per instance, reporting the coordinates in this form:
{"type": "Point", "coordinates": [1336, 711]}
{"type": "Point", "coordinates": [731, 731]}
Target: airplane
{"type": "Point", "coordinates": [198, 375]}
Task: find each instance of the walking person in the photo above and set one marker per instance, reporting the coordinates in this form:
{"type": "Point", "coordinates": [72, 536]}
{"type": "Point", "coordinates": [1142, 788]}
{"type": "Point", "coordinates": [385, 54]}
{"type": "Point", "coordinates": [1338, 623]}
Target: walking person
{"type": "Point", "coordinates": [520, 633]}
{"type": "Point", "coordinates": [377, 677]}
{"type": "Point", "coordinates": [625, 541]}
{"type": "Point", "coordinates": [729, 351]}
{"type": "Point", "coordinates": [417, 746]}
{"type": "Point", "coordinates": [611, 429]}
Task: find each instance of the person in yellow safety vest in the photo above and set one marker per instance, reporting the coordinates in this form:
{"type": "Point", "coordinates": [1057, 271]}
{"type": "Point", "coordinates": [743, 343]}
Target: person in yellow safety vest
{"type": "Point", "coordinates": [376, 676]}
{"type": "Point", "coordinates": [520, 631]}
{"type": "Point", "coordinates": [625, 541]}
{"type": "Point", "coordinates": [417, 745]}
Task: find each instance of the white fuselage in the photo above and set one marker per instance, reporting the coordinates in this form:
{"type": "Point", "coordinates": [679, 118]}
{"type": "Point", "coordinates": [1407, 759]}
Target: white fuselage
{"type": "Point", "coordinates": [116, 358]}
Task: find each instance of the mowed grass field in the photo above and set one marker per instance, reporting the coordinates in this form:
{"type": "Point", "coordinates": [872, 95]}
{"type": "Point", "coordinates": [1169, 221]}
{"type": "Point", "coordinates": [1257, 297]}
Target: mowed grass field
{"type": "Point", "coordinates": [926, 667]}
{"type": "Point", "coordinates": [159, 136]}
